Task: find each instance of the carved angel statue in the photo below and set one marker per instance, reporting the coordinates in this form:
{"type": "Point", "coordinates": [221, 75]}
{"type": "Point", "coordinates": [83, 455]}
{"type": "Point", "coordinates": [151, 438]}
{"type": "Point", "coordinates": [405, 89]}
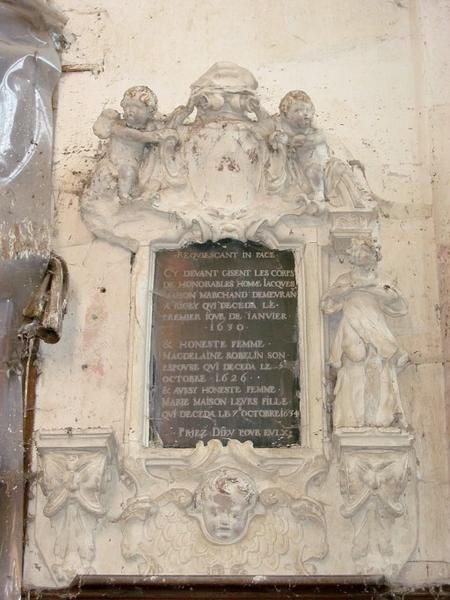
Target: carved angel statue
{"type": "Point", "coordinates": [72, 485]}
{"type": "Point", "coordinates": [364, 351]}
{"type": "Point", "coordinates": [129, 164]}
{"type": "Point", "coordinates": [303, 168]}
{"type": "Point", "coordinates": [307, 149]}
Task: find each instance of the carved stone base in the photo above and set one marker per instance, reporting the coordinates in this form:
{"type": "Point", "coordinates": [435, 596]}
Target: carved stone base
{"type": "Point", "coordinates": [378, 486]}
{"type": "Point", "coordinates": [225, 510]}
{"type": "Point", "coordinates": [75, 470]}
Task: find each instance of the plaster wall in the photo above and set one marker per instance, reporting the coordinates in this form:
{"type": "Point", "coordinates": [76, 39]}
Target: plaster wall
{"type": "Point", "coordinates": [377, 74]}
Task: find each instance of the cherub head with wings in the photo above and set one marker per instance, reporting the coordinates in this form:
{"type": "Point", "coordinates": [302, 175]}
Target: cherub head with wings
{"type": "Point", "coordinates": [223, 504]}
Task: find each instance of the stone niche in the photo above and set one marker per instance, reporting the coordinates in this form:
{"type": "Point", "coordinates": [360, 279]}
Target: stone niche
{"type": "Point", "coordinates": [265, 433]}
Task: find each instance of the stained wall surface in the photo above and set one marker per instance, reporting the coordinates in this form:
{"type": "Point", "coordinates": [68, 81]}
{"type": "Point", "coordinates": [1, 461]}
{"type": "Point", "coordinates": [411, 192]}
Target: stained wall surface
{"type": "Point", "coordinates": [378, 74]}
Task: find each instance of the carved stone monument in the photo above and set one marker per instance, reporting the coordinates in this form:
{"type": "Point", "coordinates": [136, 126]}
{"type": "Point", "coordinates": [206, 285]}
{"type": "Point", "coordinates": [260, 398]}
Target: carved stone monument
{"type": "Point", "coordinates": [265, 432]}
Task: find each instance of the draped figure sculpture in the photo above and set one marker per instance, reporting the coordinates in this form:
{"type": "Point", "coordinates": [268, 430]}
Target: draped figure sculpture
{"type": "Point", "coordinates": [364, 352]}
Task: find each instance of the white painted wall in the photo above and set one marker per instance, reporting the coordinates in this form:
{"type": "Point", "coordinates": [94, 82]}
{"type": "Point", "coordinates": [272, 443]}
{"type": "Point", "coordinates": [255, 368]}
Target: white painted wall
{"type": "Point", "coordinates": [378, 74]}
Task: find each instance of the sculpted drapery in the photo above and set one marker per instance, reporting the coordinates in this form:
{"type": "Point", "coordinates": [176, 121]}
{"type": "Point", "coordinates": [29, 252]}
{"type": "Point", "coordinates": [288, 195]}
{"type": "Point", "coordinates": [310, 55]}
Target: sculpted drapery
{"type": "Point", "coordinates": [364, 351]}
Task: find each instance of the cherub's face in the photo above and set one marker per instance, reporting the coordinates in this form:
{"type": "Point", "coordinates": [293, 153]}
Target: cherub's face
{"type": "Point", "coordinates": [136, 113]}
{"type": "Point", "coordinates": [225, 518]}
{"type": "Point", "coordinates": [300, 114]}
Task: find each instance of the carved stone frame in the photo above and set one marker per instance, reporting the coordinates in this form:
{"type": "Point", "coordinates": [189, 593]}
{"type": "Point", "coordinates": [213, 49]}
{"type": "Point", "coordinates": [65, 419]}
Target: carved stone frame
{"type": "Point", "coordinates": [310, 259]}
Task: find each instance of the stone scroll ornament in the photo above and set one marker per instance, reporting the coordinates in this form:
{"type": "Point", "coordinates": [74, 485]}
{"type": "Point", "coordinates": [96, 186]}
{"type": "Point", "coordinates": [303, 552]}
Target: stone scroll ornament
{"type": "Point", "coordinates": [374, 489]}
{"type": "Point", "coordinates": [73, 483]}
{"type": "Point", "coordinates": [220, 165]}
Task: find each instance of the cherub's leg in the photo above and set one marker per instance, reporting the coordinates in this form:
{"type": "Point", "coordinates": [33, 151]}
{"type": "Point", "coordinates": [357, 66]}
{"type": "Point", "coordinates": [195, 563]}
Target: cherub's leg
{"type": "Point", "coordinates": [128, 179]}
{"type": "Point", "coordinates": [315, 174]}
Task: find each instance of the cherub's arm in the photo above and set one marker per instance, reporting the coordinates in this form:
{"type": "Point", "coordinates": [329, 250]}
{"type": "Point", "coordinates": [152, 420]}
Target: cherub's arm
{"type": "Point", "coordinates": [105, 123]}
{"type": "Point", "coordinates": [180, 114]}
{"type": "Point", "coordinates": [390, 299]}
{"type": "Point", "coordinates": [297, 140]}
{"type": "Point", "coordinates": [308, 140]}
{"type": "Point", "coordinates": [260, 112]}
{"type": "Point", "coordinates": [278, 139]}
{"type": "Point", "coordinates": [146, 137]}
{"type": "Point", "coordinates": [334, 297]}
{"type": "Point", "coordinates": [342, 286]}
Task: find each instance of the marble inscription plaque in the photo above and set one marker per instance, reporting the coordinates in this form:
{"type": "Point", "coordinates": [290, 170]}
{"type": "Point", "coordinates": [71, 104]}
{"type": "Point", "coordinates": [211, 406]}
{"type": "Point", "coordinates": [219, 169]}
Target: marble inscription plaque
{"type": "Point", "coordinates": [224, 346]}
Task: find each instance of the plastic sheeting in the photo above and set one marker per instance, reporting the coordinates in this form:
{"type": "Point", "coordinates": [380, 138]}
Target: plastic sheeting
{"type": "Point", "coordinates": [29, 72]}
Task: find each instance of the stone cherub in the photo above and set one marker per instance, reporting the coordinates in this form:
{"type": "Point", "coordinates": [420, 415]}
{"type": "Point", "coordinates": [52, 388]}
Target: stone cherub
{"type": "Point", "coordinates": [364, 351]}
{"type": "Point", "coordinates": [225, 527]}
{"type": "Point", "coordinates": [224, 504]}
{"type": "Point", "coordinates": [307, 149]}
{"type": "Point", "coordinates": [128, 138]}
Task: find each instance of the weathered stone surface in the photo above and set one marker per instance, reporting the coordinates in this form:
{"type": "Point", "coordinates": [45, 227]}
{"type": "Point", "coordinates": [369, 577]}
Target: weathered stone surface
{"type": "Point", "coordinates": [378, 113]}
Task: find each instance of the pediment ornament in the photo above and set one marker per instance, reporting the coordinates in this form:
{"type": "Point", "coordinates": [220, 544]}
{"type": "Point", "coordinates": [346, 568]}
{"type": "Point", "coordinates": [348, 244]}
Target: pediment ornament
{"type": "Point", "coordinates": [219, 166]}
